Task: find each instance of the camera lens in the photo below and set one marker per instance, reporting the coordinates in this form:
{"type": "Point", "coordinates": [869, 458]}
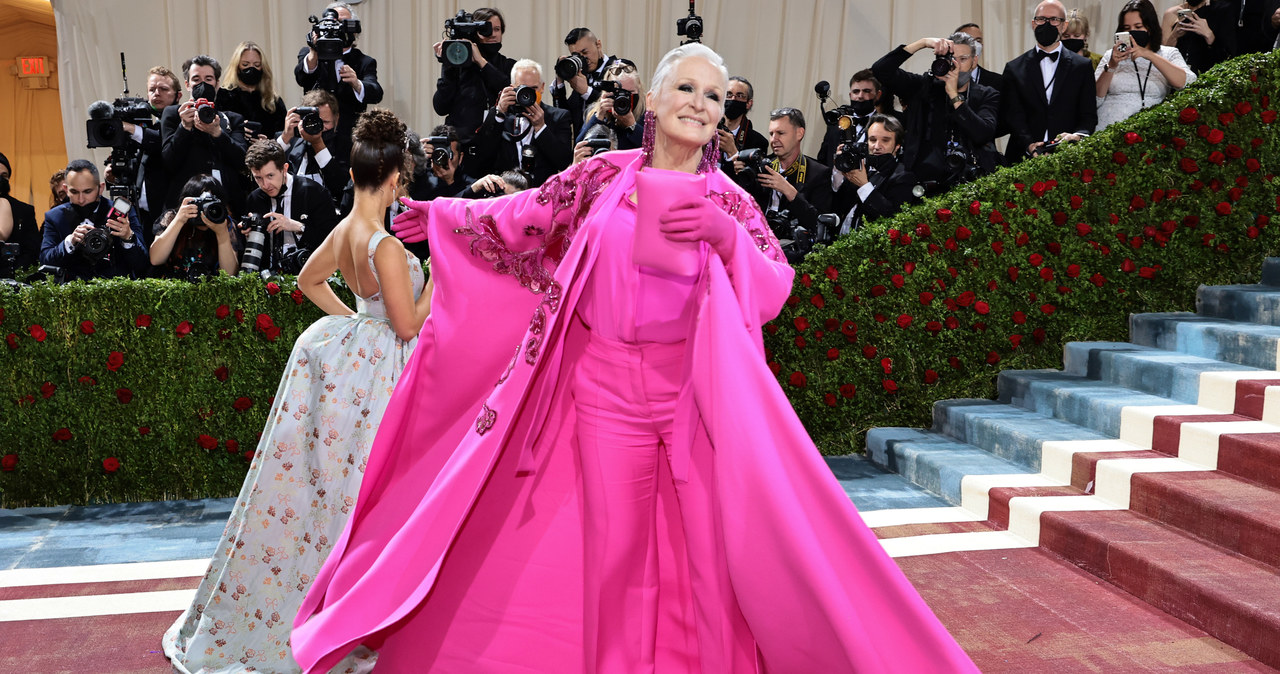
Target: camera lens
{"type": "Point", "coordinates": [942, 65]}
{"type": "Point", "coordinates": [206, 112]}
{"type": "Point", "coordinates": [456, 52]}
{"type": "Point", "coordinates": [526, 96]}
{"type": "Point", "coordinates": [569, 66]}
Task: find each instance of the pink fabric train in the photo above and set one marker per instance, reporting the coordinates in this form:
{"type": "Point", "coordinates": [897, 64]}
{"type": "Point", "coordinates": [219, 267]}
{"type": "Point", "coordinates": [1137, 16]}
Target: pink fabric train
{"type": "Point", "coordinates": [464, 552]}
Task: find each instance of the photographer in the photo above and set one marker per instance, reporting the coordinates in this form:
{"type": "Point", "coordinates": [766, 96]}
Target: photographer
{"type": "Point", "coordinates": [296, 212]}
{"type": "Point", "coordinates": [436, 170]}
{"type": "Point", "coordinates": [865, 95]}
{"type": "Point", "coordinates": [152, 184]}
{"type": "Point", "coordinates": [791, 186]}
{"type": "Point", "coordinates": [311, 143]}
{"type": "Point", "coordinates": [86, 238]}
{"type": "Point", "coordinates": [496, 185]}
{"type": "Point", "coordinates": [735, 132]}
{"type": "Point", "coordinates": [621, 82]}
{"type": "Point", "coordinates": [352, 77]}
{"type": "Point", "coordinates": [1206, 33]}
{"type": "Point", "coordinates": [879, 184]}
{"type": "Point", "coordinates": [951, 122]}
{"type": "Point", "coordinates": [197, 239]}
{"type": "Point", "coordinates": [578, 75]}
{"type": "Point", "coordinates": [18, 231]}
{"type": "Point", "coordinates": [535, 137]}
{"type": "Point", "coordinates": [466, 94]}
{"type": "Point", "coordinates": [199, 138]}
{"type": "Point", "coordinates": [249, 90]}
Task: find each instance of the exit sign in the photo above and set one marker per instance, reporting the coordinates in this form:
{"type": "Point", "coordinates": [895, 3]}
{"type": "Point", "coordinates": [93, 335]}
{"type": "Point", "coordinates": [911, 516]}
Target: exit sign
{"type": "Point", "coordinates": [32, 66]}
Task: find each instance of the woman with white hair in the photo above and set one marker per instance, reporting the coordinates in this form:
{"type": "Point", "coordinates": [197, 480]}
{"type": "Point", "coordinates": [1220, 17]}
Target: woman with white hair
{"type": "Point", "coordinates": [630, 490]}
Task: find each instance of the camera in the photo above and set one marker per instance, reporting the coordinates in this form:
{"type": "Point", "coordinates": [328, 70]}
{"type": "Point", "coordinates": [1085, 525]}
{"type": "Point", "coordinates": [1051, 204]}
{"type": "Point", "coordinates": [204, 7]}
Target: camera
{"type": "Point", "coordinates": [255, 242]}
{"type": "Point", "coordinates": [598, 145]}
{"type": "Point", "coordinates": [942, 64]}
{"type": "Point", "coordinates": [330, 36]}
{"type": "Point", "coordinates": [311, 122]}
{"type": "Point", "coordinates": [203, 95]}
{"type": "Point", "coordinates": [293, 261]}
{"type": "Point", "coordinates": [851, 155]}
{"type": "Point", "coordinates": [97, 242]}
{"type": "Point", "coordinates": [211, 207]}
{"type": "Point", "coordinates": [569, 66]}
{"type": "Point", "coordinates": [690, 26]}
{"type": "Point", "coordinates": [526, 98]}
{"type": "Point", "coordinates": [105, 126]}
{"type": "Point", "coordinates": [461, 31]}
{"type": "Point", "coordinates": [960, 163]}
{"type": "Point", "coordinates": [441, 149]}
{"type": "Point", "coordinates": [623, 101]}
{"type": "Point", "coordinates": [755, 161]}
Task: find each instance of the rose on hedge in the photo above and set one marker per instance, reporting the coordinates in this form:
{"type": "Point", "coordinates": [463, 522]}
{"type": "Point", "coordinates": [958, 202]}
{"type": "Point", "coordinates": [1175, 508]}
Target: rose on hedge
{"type": "Point", "coordinates": [37, 333]}
{"type": "Point", "coordinates": [273, 288]}
{"type": "Point", "coordinates": [222, 311]}
{"type": "Point", "coordinates": [183, 329]}
{"type": "Point", "coordinates": [124, 396]}
{"type": "Point", "coordinates": [142, 321]}
{"type": "Point", "coordinates": [62, 434]}
{"type": "Point", "coordinates": [115, 360]}
{"type": "Point", "coordinates": [206, 442]}
{"type": "Point", "coordinates": [47, 389]}
{"type": "Point", "coordinates": [86, 327]}
{"type": "Point", "coordinates": [798, 380]}
{"type": "Point", "coordinates": [111, 464]}
{"type": "Point", "coordinates": [9, 462]}
{"type": "Point", "coordinates": [221, 373]}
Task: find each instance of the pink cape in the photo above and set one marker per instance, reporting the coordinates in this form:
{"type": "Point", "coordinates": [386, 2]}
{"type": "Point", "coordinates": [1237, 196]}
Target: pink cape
{"type": "Point", "coordinates": [464, 552]}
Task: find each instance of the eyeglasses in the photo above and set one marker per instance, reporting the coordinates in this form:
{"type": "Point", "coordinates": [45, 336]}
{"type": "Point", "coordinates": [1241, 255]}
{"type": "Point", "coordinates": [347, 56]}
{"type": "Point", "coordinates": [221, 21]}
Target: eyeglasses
{"type": "Point", "coordinates": [740, 96]}
{"type": "Point", "coordinates": [1052, 20]}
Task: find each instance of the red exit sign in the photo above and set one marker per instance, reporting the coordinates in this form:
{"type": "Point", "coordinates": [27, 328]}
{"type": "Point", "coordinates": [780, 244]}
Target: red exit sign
{"type": "Point", "coordinates": [32, 66]}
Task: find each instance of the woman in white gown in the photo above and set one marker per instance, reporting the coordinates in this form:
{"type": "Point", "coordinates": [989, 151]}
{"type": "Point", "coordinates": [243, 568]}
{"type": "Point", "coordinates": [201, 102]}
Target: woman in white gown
{"type": "Point", "coordinates": [1142, 72]}
{"type": "Point", "coordinates": [306, 473]}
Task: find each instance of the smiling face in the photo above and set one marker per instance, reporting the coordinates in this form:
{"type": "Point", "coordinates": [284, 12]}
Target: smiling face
{"type": "Point", "coordinates": [689, 104]}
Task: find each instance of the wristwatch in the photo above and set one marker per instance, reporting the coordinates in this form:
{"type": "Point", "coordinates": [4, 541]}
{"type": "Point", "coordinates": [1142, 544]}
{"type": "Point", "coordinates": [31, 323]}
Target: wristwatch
{"type": "Point", "coordinates": [1106, 67]}
{"type": "Point", "coordinates": [957, 99]}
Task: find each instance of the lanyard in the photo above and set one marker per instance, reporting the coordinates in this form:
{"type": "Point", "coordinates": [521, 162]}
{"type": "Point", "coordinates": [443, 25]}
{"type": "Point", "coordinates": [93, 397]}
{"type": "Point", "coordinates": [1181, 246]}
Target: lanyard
{"type": "Point", "coordinates": [1142, 81]}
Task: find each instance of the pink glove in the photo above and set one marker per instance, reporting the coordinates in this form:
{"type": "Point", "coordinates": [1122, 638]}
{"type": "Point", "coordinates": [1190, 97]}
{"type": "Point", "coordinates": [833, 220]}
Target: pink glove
{"type": "Point", "coordinates": [701, 220]}
{"type": "Point", "coordinates": [411, 225]}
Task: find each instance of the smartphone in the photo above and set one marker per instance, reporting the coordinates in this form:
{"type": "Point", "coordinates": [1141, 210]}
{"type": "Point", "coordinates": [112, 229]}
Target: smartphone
{"type": "Point", "coordinates": [254, 128]}
{"type": "Point", "coordinates": [1124, 41]}
{"type": "Point", "coordinates": [1185, 15]}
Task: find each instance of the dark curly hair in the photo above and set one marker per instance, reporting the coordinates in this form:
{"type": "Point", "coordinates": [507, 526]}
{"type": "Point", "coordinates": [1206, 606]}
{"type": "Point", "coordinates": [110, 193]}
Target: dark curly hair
{"type": "Point", "coordinates": [378, 148]}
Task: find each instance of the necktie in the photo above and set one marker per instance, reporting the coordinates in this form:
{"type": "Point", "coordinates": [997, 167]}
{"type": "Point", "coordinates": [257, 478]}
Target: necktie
{"type": "Point", "coordinates": [1041, 55]}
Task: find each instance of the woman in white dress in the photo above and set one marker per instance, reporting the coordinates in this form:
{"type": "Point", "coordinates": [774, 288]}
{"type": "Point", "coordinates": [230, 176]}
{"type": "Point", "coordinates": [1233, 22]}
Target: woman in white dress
{"type": "Point", "coordinates": [1138, 72]}
{"type": "Point", "coordinates": [306, 473]}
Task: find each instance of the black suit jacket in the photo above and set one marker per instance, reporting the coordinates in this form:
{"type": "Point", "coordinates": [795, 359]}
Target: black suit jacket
{"type": "Point", "coordinates": [325, 77]}
{"type": "Point", "coordinates": [1029, 115]}
{"type": "Point", "coordinates": [154, 178]}
{"type": "Point", "coordinates": [61, 221]}
{"type": "Point", "coordinates": [464, 94]}
{"type": "Point", "coordinates": [25, 233]}
{"type": "Point", "coordinates": [988, 78]}
{"type": "Point", "coordinates": [332, 176]}
{"type": "Point", "coordinates": [891, 191]}
{"type": "Point", "coordinates": [189, 153]}
{"type": "Point", "coordinates": [309, 204]}
{"type": "Point", "coordinates": [814, 197]}
{"type": "Point", "coordinates": [553, 148]}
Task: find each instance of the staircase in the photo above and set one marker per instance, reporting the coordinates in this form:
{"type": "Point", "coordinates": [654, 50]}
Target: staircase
{"type": "Point", "coordinates": [1153, 465]}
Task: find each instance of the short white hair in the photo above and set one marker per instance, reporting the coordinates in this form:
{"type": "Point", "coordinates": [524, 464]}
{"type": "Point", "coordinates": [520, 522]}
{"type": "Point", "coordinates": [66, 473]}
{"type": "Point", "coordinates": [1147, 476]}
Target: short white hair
{"type": "Point", "coordinates": [669, 62]}
{"type": "Point", "coordinates": [342, 5]}
{"type": "Point", "coordinates": [526, 64]}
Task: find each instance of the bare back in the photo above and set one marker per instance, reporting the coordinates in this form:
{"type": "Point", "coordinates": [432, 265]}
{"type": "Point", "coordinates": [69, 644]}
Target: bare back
{"type": "Point", "coordinates": [350, 245]}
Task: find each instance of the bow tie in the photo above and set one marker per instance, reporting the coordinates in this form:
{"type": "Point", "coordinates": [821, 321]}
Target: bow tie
{"type": "Point", "coordinates": [1041, 55]}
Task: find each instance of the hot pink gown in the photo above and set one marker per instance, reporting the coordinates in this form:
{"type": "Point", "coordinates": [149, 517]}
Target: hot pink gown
{"type": "Point", "coordinates": [466, 548]}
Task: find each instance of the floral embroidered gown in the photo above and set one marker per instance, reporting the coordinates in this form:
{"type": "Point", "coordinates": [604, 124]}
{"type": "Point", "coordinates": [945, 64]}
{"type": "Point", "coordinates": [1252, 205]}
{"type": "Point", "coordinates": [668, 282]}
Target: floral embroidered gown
{"type": "Point", "coordinates": [301, 487]}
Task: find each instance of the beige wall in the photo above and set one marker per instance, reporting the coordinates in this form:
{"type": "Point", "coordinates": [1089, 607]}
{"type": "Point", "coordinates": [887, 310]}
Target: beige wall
{"type": "Point", "coordinates": [31, 131]}
{"type": "Point", "coordinates": [782, 47]}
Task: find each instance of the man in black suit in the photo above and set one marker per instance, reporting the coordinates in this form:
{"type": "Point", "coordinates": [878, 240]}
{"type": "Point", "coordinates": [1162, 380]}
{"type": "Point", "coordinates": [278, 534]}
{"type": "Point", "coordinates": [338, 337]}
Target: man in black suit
{"type": "Point", "coordinates": [537, 140]}
{"type": "Point", "coordinates": [300, 211]}
{"type": "Point", "coordinates": [192, 146]}
{"type": "Point", "coordinates": [951, 122]}
{"type": "Point", "coordinates": [736, 132]}
{"type": "Point", "coordinates": [866, 97]}
{"type": "Point", "coordinates": [466, 94]}
{"type": "Point", "coordinates": [25, 233]}
{"type": "Point", "coordinates": [163, 90]}
{"type": "Point", "coordinates": [66, 226]}
{"type": "Point", "coordinates": [1049, 93]}
{"type": "Point", "coordinates": [352, 78]}
{"type": "Point", "coordinates": [880, 185]}
{"type": "Point", "coordinates": [578, 93]}
{"type": "Point", "coordinates": [980, 75]}
{"type": "Point", "coordinates": [791, 182]}
{"type": "Point", "coordinates": [320, 156]}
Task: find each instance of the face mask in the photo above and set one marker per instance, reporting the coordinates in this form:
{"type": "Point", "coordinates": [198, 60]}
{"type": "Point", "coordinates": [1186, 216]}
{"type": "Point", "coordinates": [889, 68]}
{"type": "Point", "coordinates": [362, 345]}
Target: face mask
{"type": "Point", "coordinates": [733, 109]}
{"type": "Point", "coordinates": [881, 163]}
{"type": "Point", "coordinates": [863, 108]}
{"type": "Point", "coordinates": [203, 90]}
{"type": "Point", "coordinates": [489, 49]}
{"type": "Point", "coordinates": [1047, 34]}
{"type": "Point", "coordinates": [1073, 45]}
{"type": "Point", "coordinates": [86, 212]}
{"type": "Point", "coordinates": [962, 79]}
{"type": "Point", "coordinates": [4, 186]}
{"type": "Point", "coordinates": [250, 76]}
{"type": "Point", "coordinates": [1140, 37]}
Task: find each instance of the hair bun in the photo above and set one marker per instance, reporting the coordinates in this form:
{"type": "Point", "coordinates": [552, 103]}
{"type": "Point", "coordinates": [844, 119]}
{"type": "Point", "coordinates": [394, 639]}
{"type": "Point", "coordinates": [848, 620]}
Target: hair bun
{"type": "Point", "coordinates": [378, 126]}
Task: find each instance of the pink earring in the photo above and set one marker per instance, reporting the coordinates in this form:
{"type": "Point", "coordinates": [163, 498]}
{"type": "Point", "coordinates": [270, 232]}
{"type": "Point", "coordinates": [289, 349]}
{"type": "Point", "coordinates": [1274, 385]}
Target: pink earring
{"type": "Point", "coordinates": [646, 144]}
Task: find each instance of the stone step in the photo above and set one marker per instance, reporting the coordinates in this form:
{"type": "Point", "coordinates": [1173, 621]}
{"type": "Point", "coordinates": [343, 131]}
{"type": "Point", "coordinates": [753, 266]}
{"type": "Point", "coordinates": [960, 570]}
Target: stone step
{"type": "Point", "coordinates": [1181, 377]}
{"type": "Point", "coordinates": [1093, 404]}
{"type": "Point", "coordinates": [1246, 344]}
{"type": "Point", "coordinates": [1246, 303]}
{"type": "Point", "coordinates": [935, 462]}
{"type": "Point", "coordinates": [1007, 431]}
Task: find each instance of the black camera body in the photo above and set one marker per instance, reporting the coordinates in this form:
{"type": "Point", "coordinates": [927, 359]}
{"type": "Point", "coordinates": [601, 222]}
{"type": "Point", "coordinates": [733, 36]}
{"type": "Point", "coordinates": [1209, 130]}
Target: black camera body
{"type": "Point", "coordinates": [598, 145]}
{"type": "Point", "coordinates": [623, 101]}
{"type": "Point", "coordinates": [97, 242]}
{"type": "Point", "coordinates": [526, 98]}
{"type": "Point", "coordinates": [690, 27]}
{"type": "Point", "coordinates": [756, 163]}
{"type": "Point", "coordinates": [441, 150]}
{"type": "Point", "coordinates": [461, 32]}
{"type": "Point", "coordinates": [942, 64]}
{"type": "Point", "coordinates": [568, 67]}
{"type": "Point", "coordinates": [211, 207]}
{"type": "Point", "coordinates": [851, 155]}
{"type": "Point", "coordinates": [330, 36]}
{"type": "Point", "coordinates": [311, 122]}
{"type": "Point", "coordinates": [105, 126]}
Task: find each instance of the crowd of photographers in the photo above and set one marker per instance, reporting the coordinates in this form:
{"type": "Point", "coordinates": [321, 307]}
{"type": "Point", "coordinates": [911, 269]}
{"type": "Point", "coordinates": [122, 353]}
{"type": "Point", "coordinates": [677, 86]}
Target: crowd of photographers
{"type": "Point", "coordinates": [225, 178]}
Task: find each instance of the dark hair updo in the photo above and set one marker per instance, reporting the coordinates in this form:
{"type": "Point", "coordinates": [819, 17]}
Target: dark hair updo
{"type": "Point", "coordinates": [377, 148]}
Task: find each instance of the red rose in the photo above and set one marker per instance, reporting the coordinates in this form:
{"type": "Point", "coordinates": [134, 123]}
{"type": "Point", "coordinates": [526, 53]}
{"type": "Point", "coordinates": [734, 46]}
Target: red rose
{"type": "Point", "coordinates": [817, 301]}
{"type": "Point", "coordinates": [1015, 340]}
{"type": "Point", "coordinates": [86, 380]}
{"type": "Point", "coordinates": [1132, 138]}
{"type": "Point", "coordinates": [47, 390]}
{"type": "Point", "coordinates": [833, 354]}
{"type": "Point", "coordinates": [992, 358]}
{"type": "Point", "coordinates": [273, 332]}
{"type": "Point", "coordinates": [1048, 308]}
{"type": "Point", "coordinates": [248, 455]}
{"type": "Point", "coordinates": [37, 333]}
{"type": "Point", "coordinates": [868, 352]}
{"type": "Point", "coordinates": [798, 380]}
{"type": "Point", "coordinates": [1120, 158]}
{"type": "Point", "coordinates": [1137, 203]}
{"type": "Point", "coordinates": [904, 321]}
{"type": "Point", "coordinates": [263, 322]}
{"type": "Point", "coordinates": [775, 368]}
{"type": "Point", "coordinates": [1252, 165]}
{"type": "Point", "coordinates": [922, 231]}
{"type": "Point", "coordinates": [62, 434]}
{"type": "Point", "coordinates": [1035, 259]}
{"type": "Point", "coordinates": [1223, 208]}
{"type": "Point", "coordinates": [890, 386]}
{"type": "Point", "coordinates": [848, 390]}
{"type": "Point", "coordinates": [1215, 136]}
{"type": "Point", "coordinates": [832, 273]}
{"type": "Point", "coordinates": [930, 376]}
{"type": "Point", "coordinates": [273, 288]}
{"type": "Point", "coordinates": [242, 403]}
{"type": "Point", "coordinates": [111, 464]}
{"type": "Point", "coordinates": [1046, 274]}
{"type": "Point", "coordinates": [966, 298]}
{"type": "Point", "coordinates": [943, 215]}
{"type": "Point", "coordinates": [998, 247]}
{"type": "Point", "coordinates": [221, 373]}
{"type": "Point", "coordinates": [1073, 270]}
{"type": "Point", "coordinates": [963, 232]}
{"type": "Point", "coordinates": [8, 462]}
{"type": "Point", "coordinates": [183, 329]}
{"type": "Point", "coordinates": [143, 321]}
{"type": "Point", "coordinates": [1235, 194]}
{"type": "Point", "coordinates": [952, 323]}
{"type": "Point", "coordinates": [1226, 118]}
{"type": "Point", "coordinates": [849, 328]}
{"type": "Point", "coordinates": [975, 208]}
{"type": "Point", "coordinates": [954, 362]}
{"type": "Point", "coordinates": [1188, 165]}
{"type": "Point", "coordinates": [207, 442]}
{"type": "Point", "coordinates": [1243, 108]}
{"type": "Point", "coordinates": [1188, 115]}
{"type": "Point", "coordinates": [878, 290]}
{"type": "Point", "coordinates": [1217, 158]}
{"type": "Point", "coordinates": [239, 314]}
{"type": "Point", "coordinates": [86, 327]}
{"type": "Point", "coordinates": [801, 323]}
{"type": "Point", "coordinates": [233, 447]}
{"type": "Point", "coordinates": [897, 280]}
{"type": "Point", "coordinates": [886, 364]}
{"type": "Point", "coordinates": [222, 311]}
{"type": "Point", "coordinates": [1179, 144]}
{"type": "Point", "coordinates": [982, 308]}
{"type": "Point", "coordinates": [829, 399]}
{"type": "Point", "coordinates": [115, 360]}
{"type": "Point", "coordinates": [807, 281]}
{"type": "Point", "coordinates": [124, 395]}
{"type": "Point", "coordinates": [1019, 317]}
{"type": "Point", "coordinates": [1268, 116]}
{"type": "Point", "coordinates": [1147, 272]}
{"type": "Point", "coordinates": [926, 298]}
{"type": "Point", "coordinates": [144, 430]}
{"type": "Point", "coordinates": [933, 327]}
{"type": "Point", "coordinates": [12, 340]}
{"type": "Point", "coordinates": [800, 342]}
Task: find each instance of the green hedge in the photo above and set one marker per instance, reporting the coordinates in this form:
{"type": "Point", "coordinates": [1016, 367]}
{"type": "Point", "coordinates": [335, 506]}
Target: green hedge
{"type": "Point", "coordinates": [1001, 273]}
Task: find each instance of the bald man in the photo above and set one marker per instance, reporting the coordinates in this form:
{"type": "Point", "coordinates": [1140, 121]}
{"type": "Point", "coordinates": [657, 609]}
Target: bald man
{"type": "Point", "coordinates": [1048, 93]}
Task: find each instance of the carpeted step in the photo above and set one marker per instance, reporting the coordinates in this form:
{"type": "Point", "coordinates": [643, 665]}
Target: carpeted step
{"type": "Point", "coordinates": [1247, 303]}
{"type": "Point", "coordinates": [1232, 444]}
{"type": "Point", "coordinates": [933, 461]}
{"type": "Point", "coordinates": [1246, 344]}
{"type": "Point", "coordinates": [1227, 595]}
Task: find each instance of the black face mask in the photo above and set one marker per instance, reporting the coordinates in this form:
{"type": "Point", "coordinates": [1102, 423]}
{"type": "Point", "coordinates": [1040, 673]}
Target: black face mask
{"type": "Point", "coordinates": [4, 186]}
{"type": "Point", "coordinates": [328, 136]}
{"type": "Point", "coordinates": [863, 108]}
{"type": "Point", "coordinates": [734, 109]}
{"type": "Point", "coordinates": [1047, 34]}
{"type": "Point", "coordinates": [203, 90]}
{"type": "Point", "coordinates": [1140, 37]}
{"type": "Point", "coordinates": [881, 163]}
{"type": "Point", "coordinates": [86, 212]}
{"type": "Point", "coordinates": [490, 49]}
{"type": "Point", "coordinates": [1073, 45]}
{"type": "Point", "coordinates": [250, 76]}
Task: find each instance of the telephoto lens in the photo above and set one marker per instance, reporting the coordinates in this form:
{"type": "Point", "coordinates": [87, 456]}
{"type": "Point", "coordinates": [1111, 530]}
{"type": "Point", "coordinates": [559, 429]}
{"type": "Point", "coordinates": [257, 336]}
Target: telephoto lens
{"type": "Point", "coordinates": [311, 122]}
{"type": "Point", "coordinates": [568, 67]}
{"type": "Point", "coordinates": [255, 243]}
